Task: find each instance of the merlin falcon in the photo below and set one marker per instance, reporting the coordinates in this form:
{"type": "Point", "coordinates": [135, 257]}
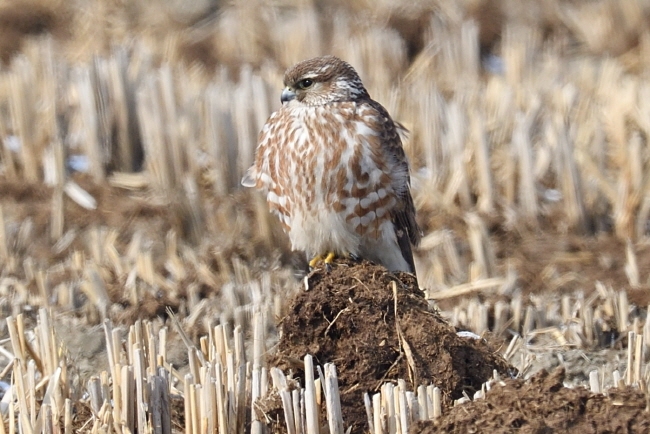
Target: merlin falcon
{"type": "Point", "coordinates": [333, 169]}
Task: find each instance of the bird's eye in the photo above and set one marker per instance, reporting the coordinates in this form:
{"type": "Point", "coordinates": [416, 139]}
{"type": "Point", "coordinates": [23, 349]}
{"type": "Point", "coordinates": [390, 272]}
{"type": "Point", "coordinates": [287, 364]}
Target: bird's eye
{"type": "Point", "coordinates": [306, 83]}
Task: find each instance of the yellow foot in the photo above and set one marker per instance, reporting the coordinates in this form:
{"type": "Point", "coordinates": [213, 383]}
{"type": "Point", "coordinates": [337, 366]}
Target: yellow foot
{"type": "Point", "coordinates": [328, 259]}
{"type": "Point", "coordinates": [315, 260]}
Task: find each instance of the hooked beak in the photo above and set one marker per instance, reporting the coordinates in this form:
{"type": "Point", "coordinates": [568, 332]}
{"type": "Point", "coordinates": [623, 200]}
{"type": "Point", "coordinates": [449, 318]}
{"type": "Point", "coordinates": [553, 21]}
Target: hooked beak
{"type": "Point", "coordinates": [287, 95]}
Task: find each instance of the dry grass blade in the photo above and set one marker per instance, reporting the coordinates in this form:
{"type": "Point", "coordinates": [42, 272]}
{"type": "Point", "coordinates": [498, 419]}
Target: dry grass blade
{"type": "Point", "coordinates": [311, 408]}
{"type": "Point", "coordinates": [467, 288]}
{"type": "Point", "coordinates": [333, 400]}
{"type": "Point", "coordinates": [404, 345]}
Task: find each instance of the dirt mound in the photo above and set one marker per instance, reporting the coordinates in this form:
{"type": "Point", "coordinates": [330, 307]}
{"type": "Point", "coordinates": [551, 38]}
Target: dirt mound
{"type": "Point", "coordinates": [543, 405]}
{"type": "Point", "coordinates": [350, 317]}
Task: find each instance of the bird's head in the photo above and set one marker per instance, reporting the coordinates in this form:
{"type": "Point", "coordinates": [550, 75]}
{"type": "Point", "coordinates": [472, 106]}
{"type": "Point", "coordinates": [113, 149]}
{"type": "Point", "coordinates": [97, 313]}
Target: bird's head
{"type": "Point", "coordinates": [322, 80]}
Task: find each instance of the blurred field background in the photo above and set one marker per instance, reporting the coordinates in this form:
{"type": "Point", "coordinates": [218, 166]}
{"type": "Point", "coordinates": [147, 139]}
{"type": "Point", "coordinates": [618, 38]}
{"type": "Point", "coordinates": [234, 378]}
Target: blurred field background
{"type": "Point", "coordinates": [125, 128]}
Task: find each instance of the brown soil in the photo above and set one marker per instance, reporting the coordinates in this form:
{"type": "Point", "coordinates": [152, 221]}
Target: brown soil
{"type": "Point", "coordinates": [549, 259]}
{"type": "Point", "coordinates": [543, 405]}
{"type": "Point", "coordinates": [350, 317]}
{"type": "Point", "coordinates": [565, 262]}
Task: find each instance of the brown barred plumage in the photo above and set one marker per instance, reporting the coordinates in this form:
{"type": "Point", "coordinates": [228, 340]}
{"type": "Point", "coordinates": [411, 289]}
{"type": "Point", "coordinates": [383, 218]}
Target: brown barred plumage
{"type": "Point", "coordinates": [332, 165]}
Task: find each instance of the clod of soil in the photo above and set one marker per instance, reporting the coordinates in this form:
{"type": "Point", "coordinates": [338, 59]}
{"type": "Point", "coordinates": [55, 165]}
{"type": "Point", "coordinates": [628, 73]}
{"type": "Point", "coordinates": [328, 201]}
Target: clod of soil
{"type": "Point", "coordinates": [352, 317]}
{"type": "Point", "coordinates": [543, 405]}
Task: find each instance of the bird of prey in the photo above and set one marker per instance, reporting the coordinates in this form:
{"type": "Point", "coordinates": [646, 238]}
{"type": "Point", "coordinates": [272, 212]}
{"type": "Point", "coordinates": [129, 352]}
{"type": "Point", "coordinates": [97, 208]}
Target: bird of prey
{"type": "Point", "coordinates": [331, 163]}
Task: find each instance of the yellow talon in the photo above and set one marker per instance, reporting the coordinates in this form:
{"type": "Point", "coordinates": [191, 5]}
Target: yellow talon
{"type": "Point", "coordinates": [327, 260]}
{"type": "Point", "coordinates": [314, 261]}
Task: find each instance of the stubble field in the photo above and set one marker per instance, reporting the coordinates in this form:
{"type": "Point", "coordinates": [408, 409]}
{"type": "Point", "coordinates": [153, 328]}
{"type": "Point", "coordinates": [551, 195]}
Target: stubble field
{"type": "Point", "coordinates": [142, 290]}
